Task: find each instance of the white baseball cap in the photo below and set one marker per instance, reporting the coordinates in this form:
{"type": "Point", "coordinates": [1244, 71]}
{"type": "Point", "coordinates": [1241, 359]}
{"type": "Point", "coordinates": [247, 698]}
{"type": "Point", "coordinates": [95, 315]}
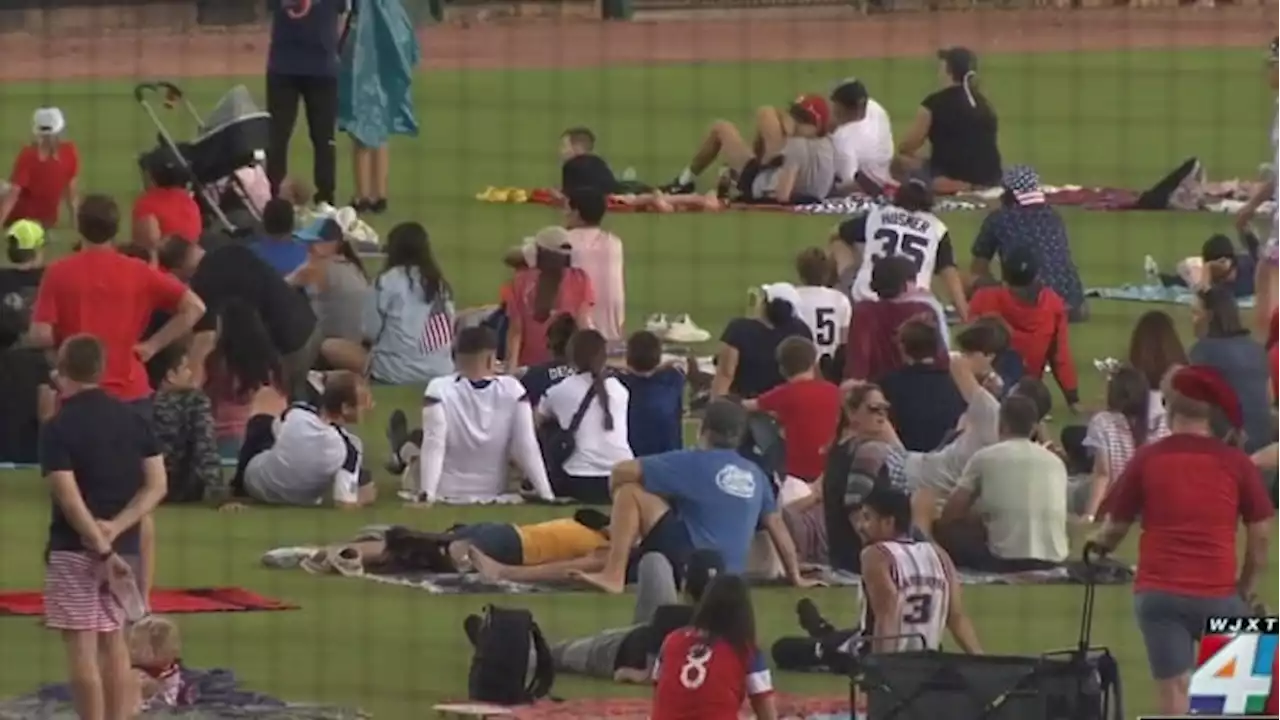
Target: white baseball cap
{"type": "Point", "coordinates": [48, 121]}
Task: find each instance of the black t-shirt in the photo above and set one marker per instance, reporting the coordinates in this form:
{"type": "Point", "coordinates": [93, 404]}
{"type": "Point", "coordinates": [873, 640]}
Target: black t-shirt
{"type": "Point", "coordinates": [757, 346]}
{"type": "Point", "coordinates": [587, 171]}
{"type": "Point", "coordinates": [963, 138]}
{"type": "Point", "coordinates": [103, 442]}
{"type": "Point", "coordinates": [538, 379]}
{"type": "Point", "coordinates": [236, 272]}
{"type": "Point", "coordinates": [17, 296]}
{"type": "Point", "coordinates": [22, 370]}
{"type": "Point", "coordinates": [924, 404]}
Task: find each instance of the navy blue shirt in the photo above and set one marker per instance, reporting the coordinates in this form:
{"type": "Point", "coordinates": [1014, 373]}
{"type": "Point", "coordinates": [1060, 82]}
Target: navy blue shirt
{"type": "Point", "coordinates": [538, 379]}
{"type": "Point", "coordinates": [1041, 227]}
{"type": "Point", "coordinates": [924, 404]}
{"type": "Point", "coordinates": [304, 37]}
{"type": "Point", "coordinates": [655, 412]}
{"type": "Point", "coordinates": [283, 255]}
{"type": "Point", "coordinates": [103, 443]}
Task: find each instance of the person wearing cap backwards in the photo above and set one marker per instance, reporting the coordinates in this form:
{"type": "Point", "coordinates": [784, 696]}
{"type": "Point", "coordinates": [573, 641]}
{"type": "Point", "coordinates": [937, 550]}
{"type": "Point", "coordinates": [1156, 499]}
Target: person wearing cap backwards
{"type": "Point", "coordinates": [863, 139]}
{"type": "Point", "coordinates": [1025, 219]}
{"type": "Point", "coordinates": [800, 169]}
{"type": "Point", "coordinates": [1265, 274]}
{"type": "Point", "coordinates": [679, 502]}
{"type": "Point", "coordinates": [1189, 490]}
{"type": "Point", "coordinates": [960, 126]}
{"type": "Point", "coordinates": [545, 287]}
{"type": "Point", "coordinates": [1036, 318]}
{"type": "Point", "coordinates": [44, 174]}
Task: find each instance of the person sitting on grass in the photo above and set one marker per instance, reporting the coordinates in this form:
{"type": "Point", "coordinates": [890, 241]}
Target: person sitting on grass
{"type": "Point", "coordinates": [185, 430]}
{"type": "Point", "coordinates": [314, 454]}
{"type": "Point", "coordinates": [166, 208]}
{"type": "Point", "coordinates": [872, 351]}
{"type": "Point", "coordinates": [474, 423]}
{"type": "Point", "coordinates": [544, 286]}
{"type": "Point", "coordinates": [243, 371]}
{"type": "Point", "coordinates": [655, 410]}
{"type": "Point", "coordinates": [581, 167]}
{"type": "Point", "coordinates": [806, 406]}
{"type": "Point", "coordinates": [540, 378]}
{"type": "Point", "coordinates": [276, 246]}
{"type": "Point", "coordinates": [747, 364]}
{"type": "Point", "coordinates": [705, 498]}
{"type": "Point", "coordinates": [335, 279]}
{"type": "Point", "coordinates": [923, 402]}
{"type": "Point", "coordinates": [155, 651]}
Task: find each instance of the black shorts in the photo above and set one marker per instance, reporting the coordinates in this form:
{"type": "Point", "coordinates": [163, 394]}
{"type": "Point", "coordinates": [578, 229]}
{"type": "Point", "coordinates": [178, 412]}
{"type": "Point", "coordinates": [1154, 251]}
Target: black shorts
{"type": "Point", "coordinates": [500, 541]}
{"type": "Point", "coordinates": [668, 538]}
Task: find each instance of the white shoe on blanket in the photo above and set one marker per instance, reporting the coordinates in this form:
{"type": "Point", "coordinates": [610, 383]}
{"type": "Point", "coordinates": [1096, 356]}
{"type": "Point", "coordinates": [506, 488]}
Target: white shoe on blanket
{"type": "Point", "coordinates": [1151, 270]}
{"type": "Point", "coordinates": [684, 330]}
{"type": "Point", "coordinates": [287, 558]}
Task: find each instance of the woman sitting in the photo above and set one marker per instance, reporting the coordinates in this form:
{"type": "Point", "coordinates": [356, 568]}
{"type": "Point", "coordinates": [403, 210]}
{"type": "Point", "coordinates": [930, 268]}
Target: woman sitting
{"type": "Point", "coordinates": [960, 126]}
{"type": "Point", "coordinates": [1225, 345]}
{"type": "Point", "coordinates": [241, 372]}
{"type": "Point", "coordinates": [166, 206]}
{"type": "Point", "coordinates": [336, 282]}
{"type": "Point", "coordinates": [409, 314]}
{"type": "Point", "coordinates": [1154, 350]}
{"type": "Point", "coordinates": [747, 364]}
{"type": "Point", "coordinates": [548, 287]}
{"type": "Point", "coordinates": [1112, 437]}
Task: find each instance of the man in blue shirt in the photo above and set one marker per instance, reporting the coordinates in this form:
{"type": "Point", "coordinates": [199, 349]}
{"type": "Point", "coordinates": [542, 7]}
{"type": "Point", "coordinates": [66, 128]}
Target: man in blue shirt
{"type": "Point", "coordinates": [302, 64]}
{"type": "Point", "coordinates": [277, 247]}
{"type": "Point", "coordinates": [709, 498]}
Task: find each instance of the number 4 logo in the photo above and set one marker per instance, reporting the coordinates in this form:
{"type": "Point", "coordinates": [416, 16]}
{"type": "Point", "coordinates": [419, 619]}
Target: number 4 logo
{"type": "Point", "coordinates": [1227, 675]}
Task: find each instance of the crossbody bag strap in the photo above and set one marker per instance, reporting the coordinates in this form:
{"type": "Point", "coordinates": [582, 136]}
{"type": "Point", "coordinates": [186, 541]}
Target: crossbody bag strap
{"type": "Point", "coordinates": [582, 410]}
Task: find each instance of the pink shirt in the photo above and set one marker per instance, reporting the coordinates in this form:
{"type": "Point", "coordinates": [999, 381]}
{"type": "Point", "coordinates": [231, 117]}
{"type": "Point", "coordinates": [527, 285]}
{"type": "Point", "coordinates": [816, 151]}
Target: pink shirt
{"type": "Point", "coordinates": [599, 254]}
{"type": "Point", "coordinates": [575, 298]}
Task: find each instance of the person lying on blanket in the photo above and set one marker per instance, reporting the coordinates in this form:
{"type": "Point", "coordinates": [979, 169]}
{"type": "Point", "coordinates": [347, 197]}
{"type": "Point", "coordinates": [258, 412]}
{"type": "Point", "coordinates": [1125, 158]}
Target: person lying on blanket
{"type": "Point", "coordinates": [1219, 264]}
{"type": "Point", "coordinates": [784, 168]}
{"type": "Point", "coordinates": [627, 654]}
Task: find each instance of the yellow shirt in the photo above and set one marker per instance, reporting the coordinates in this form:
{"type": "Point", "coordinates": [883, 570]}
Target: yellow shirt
{"type": "Point", "coordinates": [557, 540]}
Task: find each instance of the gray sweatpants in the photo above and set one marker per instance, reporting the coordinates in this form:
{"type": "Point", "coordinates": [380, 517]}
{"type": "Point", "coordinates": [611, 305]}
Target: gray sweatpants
{"type": "Point", "coordinates": [596, 655]}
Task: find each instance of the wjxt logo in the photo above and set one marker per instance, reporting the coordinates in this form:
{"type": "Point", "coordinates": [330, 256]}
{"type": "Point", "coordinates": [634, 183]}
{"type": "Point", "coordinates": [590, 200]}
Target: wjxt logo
{"type": "Point", "coordinates": [1239, 625]}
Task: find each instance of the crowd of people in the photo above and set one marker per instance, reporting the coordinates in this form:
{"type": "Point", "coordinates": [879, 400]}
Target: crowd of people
{"type": "Point", "coordinates": [841, 422]}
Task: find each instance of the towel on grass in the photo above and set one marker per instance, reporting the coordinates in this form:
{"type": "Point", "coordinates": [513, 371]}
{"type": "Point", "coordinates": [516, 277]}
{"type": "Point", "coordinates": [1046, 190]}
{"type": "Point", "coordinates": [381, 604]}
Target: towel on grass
{"type": "Point", "coordinates": [1152, 294]}
{"type": "Point", "coordinates": [216, 694]}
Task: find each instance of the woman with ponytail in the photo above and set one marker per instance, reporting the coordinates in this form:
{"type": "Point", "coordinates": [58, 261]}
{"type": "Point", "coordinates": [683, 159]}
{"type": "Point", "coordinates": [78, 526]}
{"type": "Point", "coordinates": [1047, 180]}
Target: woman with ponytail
{"type": "Point", "coordinates": [600, 438]}
{"type": "Point", "coordinates": [546, 287]}
{"type": "Point", "coordinates": [960, 126]}
{"type": "Point", "coordinates": [747, 364]}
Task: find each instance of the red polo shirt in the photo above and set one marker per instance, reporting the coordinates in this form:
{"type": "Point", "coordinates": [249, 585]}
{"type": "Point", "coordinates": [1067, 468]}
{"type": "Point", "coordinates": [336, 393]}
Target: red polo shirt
{"type": "Point", "coordinates": [174, 209]}
{"type": "Point", "coordinates": [43, 183]}
{"type": "Point", "coordinates": [1191, 493]}
{"type": "Point", "coordinates": [112, 297]}
{"type": "Point", "coordinates": [808, 411]}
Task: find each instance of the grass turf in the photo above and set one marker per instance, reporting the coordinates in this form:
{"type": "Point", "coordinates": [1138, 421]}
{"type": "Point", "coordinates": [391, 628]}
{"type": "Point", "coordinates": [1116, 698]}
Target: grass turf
{"type": "Point", "coordinates": [1121, 118]}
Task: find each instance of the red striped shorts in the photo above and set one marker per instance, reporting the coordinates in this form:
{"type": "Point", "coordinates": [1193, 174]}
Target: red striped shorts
{"type": "Point", "coordinates": [76, 595]}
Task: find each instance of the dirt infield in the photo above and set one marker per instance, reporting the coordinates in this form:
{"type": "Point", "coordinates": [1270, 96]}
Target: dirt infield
{"type": "Point", "coordinates": [125, 54]}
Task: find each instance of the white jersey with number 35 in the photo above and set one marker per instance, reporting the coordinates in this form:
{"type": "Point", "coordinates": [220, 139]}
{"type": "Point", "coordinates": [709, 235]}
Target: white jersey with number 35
{"type": "Point", "coordinates": [892, 231]}
{"type": "Point", "coordinates": [827, 312]}
{"type": "Point", "coordinates": [924, 594]}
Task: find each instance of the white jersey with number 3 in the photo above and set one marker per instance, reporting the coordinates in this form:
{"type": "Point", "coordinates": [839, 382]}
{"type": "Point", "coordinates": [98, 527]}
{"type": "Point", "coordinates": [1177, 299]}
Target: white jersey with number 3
{"type": "Point", "coordinates": [827, 312]}
{"type": "Point", "coordinates": [891, 231]}
{"type": "Point", "coordinates": [924, 594]}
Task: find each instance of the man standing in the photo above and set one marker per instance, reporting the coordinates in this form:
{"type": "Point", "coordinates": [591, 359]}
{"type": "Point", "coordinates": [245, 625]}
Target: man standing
{"type": "Point", "coordinates": [302, 64]}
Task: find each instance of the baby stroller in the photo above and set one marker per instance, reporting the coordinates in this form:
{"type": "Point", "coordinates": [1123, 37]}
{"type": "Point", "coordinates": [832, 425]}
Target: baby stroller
{"type": "Point", "coordinates": [233, 137]}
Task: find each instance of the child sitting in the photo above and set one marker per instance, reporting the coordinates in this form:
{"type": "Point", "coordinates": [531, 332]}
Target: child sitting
{"type": "Point", "coordinates": [155, 648]}
{"type": "Point", "coordinates": [184, 428]}
{"type": "Point", "coordinates": [655, 412]}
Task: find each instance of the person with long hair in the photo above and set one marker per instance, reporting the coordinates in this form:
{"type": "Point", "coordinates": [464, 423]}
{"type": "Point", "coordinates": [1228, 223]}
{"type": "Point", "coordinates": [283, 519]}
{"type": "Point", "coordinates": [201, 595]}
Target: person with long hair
{"type": "Point", "coordinates": [45, 174]}
{"type": "Point", "coordinates": [1190, 491]}
{"type": "Point", "coordinates": [600, 440]}
{"type": "Point", "coordinates": [960, 125]}
{"type": "Point", "coordinates": [409, 314]}
{"type": "Point", "coordinates": [747, 364]}
{"type": "Point", "coordinates": [1154, 350]}
{"type": "Point", "coordinates": [708, 670]}
{"type": "Point", "coordinates": [1113, 436]}
{"type": "Point", "coordinates": [335, 279]}
{"type": "Point", "coordinates": [537, 380]}
{"type": "Point", "coordinates": [1225, 344]}
{"type": "Point", "coordinates": [549, 286]}
{"type": "Point", "coordinates": [242, 372]}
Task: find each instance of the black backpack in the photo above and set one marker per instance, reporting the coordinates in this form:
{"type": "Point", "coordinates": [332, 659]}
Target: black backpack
{"type": "Point", "coordinates": [500, 667]}
{"type": "Point", "coordinates": [558, 443]}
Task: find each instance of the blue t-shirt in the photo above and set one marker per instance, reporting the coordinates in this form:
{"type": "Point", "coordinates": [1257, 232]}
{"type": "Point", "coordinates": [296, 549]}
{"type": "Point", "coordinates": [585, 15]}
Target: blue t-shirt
{"type": "Point", "coordinates": [284, 256]}
{"type": "Point", "coordinates": [304, 37]}
{"type": "Point", "coordinates": [655, 412]}
{"type": "Point", "coordinates": [538, 379]}
{"type": "Point", "coordinates": [719, 496]}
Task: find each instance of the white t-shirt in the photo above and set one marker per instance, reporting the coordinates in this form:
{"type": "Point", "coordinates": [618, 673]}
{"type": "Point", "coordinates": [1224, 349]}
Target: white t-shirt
{"type": "Point", "coordinates": [1021, 495]}
{"type": "Point", "coordinates": [596, 450]}
{"type": "Point", "coordinates": [865, 145]}
{"type": "Point", "coordinates": [827, 312]}
{"type": "Point", "coordinates": [310, 458]}
{"type": "Point", "coordinates": [888, 231]}
{"type": "Point", "coordinates": [478, 419]}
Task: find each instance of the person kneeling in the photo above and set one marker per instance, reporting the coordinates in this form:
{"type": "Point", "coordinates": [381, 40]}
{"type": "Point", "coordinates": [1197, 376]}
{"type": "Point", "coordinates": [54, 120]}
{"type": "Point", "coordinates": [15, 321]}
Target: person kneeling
{"type": "Point", "coordinates": [312, 452]}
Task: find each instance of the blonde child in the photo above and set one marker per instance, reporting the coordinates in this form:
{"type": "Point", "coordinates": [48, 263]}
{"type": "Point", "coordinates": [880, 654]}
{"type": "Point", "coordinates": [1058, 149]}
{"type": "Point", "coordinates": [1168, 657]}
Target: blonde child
{"type": "Point", "coordinates": [155, 650]}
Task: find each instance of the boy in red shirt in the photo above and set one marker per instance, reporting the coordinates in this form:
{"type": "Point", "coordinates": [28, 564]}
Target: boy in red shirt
{"type": "Point", "coordinates": [44, 174]}
{"type": "Point", "coordinates": [807, 407]}
{"type": "Point", "coordinates": [1037, 320]}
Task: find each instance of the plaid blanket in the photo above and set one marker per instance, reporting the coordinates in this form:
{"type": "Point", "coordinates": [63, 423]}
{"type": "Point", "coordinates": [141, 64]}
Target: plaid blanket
{"type": "Point", "coordinates": [858, 205]}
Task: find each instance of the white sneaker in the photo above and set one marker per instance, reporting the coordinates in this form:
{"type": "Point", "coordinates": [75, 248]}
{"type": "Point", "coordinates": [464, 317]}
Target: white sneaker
{"type": "Point", "coordinates": [1151, 270]}
{"type": "Point", "coordinates": [684, 330]}
{"type": "Point", "coordinates": [324, 209]}
{"type": "Point", "coordinates": [657, 324]}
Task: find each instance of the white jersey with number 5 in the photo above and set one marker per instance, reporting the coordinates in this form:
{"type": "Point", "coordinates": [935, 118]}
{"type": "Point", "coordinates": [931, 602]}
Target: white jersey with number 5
{"type": "Point", "coordinates": [924, 594]}
{"type": "Point", "coordinates": [827, 312]}
{"type": "Point", "coordinates": [891, 231]}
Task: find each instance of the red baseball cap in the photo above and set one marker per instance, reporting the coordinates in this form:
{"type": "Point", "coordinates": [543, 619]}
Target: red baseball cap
{"type": "Point", "coordinates": [816, 108]}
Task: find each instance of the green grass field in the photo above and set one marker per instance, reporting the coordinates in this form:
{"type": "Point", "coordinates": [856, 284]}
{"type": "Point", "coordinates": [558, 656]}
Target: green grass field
{"type": "Point", "coordinates": [1121, 118]}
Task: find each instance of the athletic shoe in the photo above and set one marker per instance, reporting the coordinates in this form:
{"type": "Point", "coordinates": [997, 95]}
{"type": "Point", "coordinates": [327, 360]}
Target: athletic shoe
{"type": "Point", "coordinates": [657, 324]}
{"type": "Point", "coordinates": [325, 209]}
{"type": "Point", "coordinates": [684, 330]}
{"type": "Point", "coordinates": [397, 436]}
{"type": "Point", "coordinates": [360, 205]}
{"type": "Point", "coordinates": [1151, 270]}
{"type": "Point", "coordinates": [675, 187]}
{"type": "Point", "coordinates": [811, 620]}
{"type": "Point", "coordinates": [347, 562]}
{"type": "Point", "coordinates": [317, 563]}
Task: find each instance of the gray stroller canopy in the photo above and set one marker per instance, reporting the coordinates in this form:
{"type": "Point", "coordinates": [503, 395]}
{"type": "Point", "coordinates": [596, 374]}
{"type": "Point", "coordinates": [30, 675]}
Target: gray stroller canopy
{"type": "Point", "coordinates": [236, 106]}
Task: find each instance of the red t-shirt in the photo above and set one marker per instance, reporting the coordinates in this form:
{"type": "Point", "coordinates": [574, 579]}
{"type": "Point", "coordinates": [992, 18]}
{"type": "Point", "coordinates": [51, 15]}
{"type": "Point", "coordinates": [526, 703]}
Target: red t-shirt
{"type": "Point", "coordinates": [575, 297]}
{"type": "Point", "coordinates": [111, 296]}
{"type": "Point", "coordinates": [809, 411]}
{"type": "Point", "coordinates": [175, 211]}
{"type": "Point", "coordinates": [44, 183]}
{"type": "Point", "coordinates": [1191, 493]}
{"type": "Point", "coordinates": [697, 680]}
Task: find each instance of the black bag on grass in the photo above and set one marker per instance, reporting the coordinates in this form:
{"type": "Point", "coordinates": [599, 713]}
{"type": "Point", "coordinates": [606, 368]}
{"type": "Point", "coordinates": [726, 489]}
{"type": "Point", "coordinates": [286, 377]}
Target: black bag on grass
{"type": "Point", "coordinates": [501, 669]}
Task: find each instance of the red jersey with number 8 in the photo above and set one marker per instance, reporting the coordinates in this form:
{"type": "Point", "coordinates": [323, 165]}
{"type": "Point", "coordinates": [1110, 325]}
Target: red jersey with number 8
{"type": "Point", "coordinates": [702, 679]}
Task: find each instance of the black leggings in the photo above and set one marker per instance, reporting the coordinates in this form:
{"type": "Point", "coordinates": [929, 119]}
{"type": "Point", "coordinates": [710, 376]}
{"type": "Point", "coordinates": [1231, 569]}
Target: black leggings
{"type": "Point", "coordinates": [259, 436]}
{"type": "Point", "coordinates": [319, 95]}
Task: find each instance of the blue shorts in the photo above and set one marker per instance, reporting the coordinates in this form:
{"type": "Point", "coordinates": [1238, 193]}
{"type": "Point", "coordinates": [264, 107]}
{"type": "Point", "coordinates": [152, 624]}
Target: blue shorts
{"type": "Point", "coordinates": [669, 538]}
{"type": "Point", "coordinates": [500, 541]}
{"type": "Point", "coordinates": [1171, 624]}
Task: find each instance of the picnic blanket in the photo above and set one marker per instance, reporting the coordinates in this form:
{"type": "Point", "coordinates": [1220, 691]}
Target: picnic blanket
{"type": "Point", "coordinates": [214, 694]}
{"type": "Point", "coordinates": [790, 707]}
{"type": "Point", "coordinates": [166, 601]}
{"type": "Point", "coordinates": [1152, 294]}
